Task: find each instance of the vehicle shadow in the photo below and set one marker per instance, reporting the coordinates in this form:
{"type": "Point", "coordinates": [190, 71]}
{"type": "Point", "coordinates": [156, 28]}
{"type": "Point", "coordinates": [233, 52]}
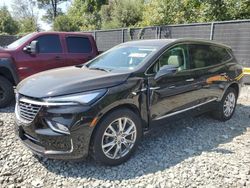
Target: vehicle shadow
{"type": "Point", "coordinates": [9, 109]}
{"type": "Point", "coordinates": [163, 147]}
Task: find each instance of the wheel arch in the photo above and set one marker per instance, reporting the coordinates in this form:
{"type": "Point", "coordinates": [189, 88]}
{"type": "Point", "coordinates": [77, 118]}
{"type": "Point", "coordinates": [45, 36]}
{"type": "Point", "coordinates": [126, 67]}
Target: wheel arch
{"type": "Point", "coordinates": [6, 73]}
{"type": "Point", "coordinates": [8, 70]}
{"type": "Point", "coordinates": [236, 87]}
{"type": "Point", "coordinates": [129, 106]}
{"type": "Point", "coordinates": [233, 85]}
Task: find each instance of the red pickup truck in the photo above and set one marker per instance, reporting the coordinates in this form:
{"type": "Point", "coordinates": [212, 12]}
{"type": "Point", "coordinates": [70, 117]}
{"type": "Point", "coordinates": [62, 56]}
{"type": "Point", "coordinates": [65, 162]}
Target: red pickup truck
{"type": "Point", "coordinates": [38, 52]}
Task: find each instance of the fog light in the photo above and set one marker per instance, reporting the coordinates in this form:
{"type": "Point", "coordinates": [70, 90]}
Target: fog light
{"type": "Point", "coordinates": [58, 127]}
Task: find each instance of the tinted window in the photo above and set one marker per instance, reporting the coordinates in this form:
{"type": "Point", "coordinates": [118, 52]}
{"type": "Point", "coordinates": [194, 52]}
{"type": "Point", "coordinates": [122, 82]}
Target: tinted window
{"type": "Point", "coordinates": [207, 55]}
{"type": "Point", "coordinates": [78, 45]}
{"type": "Point", "coordinates": [220, 53]}
{"type": "Point", "coordinates": [49, 44]}
{"type": "Point", "coordinates": [20, 41]}
{"type": "Point", "coordinates": [175, 56]}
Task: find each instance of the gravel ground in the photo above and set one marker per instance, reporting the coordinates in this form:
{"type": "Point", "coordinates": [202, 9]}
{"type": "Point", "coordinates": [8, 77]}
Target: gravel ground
{"type": "Point", "coordinates": [193, 152]}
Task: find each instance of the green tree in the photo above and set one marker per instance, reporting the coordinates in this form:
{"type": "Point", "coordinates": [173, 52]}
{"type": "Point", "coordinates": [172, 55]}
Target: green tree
{"type": "Point", "coordinates": [7, 23]}
{"type": "Point", "coordinates": [219, 10]}
{"type": "Point", "coordinates": [215, 10]}
{"type": "Point", "coordinates": [241, 9]}
{"type": "Point", "coordinates": [64, 23]}
{"type": "Point", "coordinates": [125, 13]}
{"type": "Point", "coordinates": [28, 25]}
{"type": "Point", "coordinates": [163, 12]}
{"type": "Point", "coordinates": [85, 14]}
{"type": "Point", "coordinates": [95, 14]}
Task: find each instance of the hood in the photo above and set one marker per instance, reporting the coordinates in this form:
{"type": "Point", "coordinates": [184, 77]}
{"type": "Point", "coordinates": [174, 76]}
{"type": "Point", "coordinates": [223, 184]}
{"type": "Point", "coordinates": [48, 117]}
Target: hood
{"type": "Point", "coordinates": [4, 53]}
{"type": "Point", "coordinates": [68, 80]}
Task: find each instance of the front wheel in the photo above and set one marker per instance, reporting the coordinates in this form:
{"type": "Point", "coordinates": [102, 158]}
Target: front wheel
{"type": "Point", "coordinates": [117, 137]}
{"type": "Point", "coordinates": [226, 106]}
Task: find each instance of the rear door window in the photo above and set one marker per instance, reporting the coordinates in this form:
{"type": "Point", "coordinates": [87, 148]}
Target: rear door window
{"type": "Point", "coordinates": [49, 44]}
{"type": "Point", "coordinates": [203, 55]}
{"type": "Point", "coordinates": [78, 44]}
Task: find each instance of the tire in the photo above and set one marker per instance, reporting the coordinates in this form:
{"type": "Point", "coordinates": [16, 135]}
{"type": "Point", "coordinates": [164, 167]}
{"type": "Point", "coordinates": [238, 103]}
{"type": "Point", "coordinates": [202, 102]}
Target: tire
{"type": "Point", "coordinates": [228, 100]}
{"type": "Point", "coordinates": [124, 145]}
{"type": "Point", "coordinates": [6, 92]}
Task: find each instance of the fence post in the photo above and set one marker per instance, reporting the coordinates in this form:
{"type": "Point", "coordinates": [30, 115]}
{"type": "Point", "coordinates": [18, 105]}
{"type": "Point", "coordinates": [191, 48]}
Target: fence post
{"type": "Point", "coordinates": [212, 31]}
{"type": "Point", "coordinates": [156, 32]}
{"type": "Point", "coordinates": [122, 35]}
{"type": "Point", "coordinates": [159, 32]}
{"type": "Point", "coordinates": [94, 35]}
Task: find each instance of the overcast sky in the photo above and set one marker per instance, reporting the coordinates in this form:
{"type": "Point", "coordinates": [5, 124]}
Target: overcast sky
{"type": "Point", "coordinates": [43, 25]}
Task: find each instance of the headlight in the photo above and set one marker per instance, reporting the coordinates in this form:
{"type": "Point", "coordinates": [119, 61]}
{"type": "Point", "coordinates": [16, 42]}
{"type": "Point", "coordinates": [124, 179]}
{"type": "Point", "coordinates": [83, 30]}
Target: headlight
{"type": "Point", "coordinates": [79, 98]}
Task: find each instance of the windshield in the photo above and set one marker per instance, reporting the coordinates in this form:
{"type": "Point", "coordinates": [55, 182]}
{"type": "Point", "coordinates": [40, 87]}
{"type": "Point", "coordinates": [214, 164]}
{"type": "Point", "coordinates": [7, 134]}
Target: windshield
{"type": "Point", "coordinates": [122, 58]}
{"type": "Point", "coordinates": [20, 41]}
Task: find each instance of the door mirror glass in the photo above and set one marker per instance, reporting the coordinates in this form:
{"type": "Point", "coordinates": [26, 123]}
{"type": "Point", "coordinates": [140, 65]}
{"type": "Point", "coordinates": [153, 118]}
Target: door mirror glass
{"type": "Point", "coordinates": [166, 70]}
{"type": "Point", "coordinates": [32, 48]}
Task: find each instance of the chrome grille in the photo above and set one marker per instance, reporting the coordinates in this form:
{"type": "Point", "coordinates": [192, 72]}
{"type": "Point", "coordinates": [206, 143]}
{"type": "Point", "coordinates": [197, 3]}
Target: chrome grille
{"type": "Point", "coordinates": [27, 111]}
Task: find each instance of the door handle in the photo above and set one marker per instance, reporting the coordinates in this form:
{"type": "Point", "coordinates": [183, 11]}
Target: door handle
{"type": "Point", "coordinates": [58, 58]}
{"type": "Point", "coordinates": [171, 87]}
{"type": "Point", "coordinates": [190, 80]}
{"type": "Point", "coordinates": [154, 88]}
{"type": "Point", "coordinates": [137, 92]}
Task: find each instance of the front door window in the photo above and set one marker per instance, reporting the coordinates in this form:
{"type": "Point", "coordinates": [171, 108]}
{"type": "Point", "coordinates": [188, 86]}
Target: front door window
{"type": "Point", "coordinates": [176, 56]}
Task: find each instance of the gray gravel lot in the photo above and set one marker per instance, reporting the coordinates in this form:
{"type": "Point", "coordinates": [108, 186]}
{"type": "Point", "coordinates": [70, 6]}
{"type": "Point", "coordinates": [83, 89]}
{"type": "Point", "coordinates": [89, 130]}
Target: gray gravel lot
{"type": "Point", "coordinates": [193, 152]}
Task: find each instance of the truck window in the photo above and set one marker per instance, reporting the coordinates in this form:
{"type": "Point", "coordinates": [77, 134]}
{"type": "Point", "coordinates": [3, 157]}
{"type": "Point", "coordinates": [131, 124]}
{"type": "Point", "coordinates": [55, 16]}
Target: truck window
{"type": "Point", "coordinates": [20, 41]}
{"type": "Point", "coordinates": [78, 44]}
{"type": "Point", "coordinates": [49, 44]}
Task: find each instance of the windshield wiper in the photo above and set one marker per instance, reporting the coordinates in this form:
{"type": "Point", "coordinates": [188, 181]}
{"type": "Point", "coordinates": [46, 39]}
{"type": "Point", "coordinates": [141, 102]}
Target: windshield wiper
{"type": "Point", "coordinates": [98, 68]}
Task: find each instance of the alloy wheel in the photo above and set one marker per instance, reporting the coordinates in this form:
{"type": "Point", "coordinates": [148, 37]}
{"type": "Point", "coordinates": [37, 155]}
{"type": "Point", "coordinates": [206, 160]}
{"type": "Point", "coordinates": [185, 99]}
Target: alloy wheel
{"type": "Point", "coordinates": [229, 104]}
{"type": "Point", "coordinates": [119, 138]}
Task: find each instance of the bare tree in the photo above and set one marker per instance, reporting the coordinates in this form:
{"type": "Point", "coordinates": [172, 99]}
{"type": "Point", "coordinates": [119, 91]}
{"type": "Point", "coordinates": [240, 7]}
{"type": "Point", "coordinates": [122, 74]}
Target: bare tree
{"type": "Point", "coordinates": [51, 6]}
{"type": "Point", "coordinates": [26, 13]}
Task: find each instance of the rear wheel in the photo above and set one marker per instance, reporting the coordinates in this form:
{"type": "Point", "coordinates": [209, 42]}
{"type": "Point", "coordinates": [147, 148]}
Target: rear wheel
{"type": "Point", "coordinates": [117, 137]}
{"type": "Point", "coordinates": [226, 106]}
{"type": "Point", "coordinates": [6, 92]}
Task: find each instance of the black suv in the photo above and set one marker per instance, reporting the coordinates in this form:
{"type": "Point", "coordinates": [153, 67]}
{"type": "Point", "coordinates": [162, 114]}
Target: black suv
{"type": "Point", "coordinates": [105, 106]}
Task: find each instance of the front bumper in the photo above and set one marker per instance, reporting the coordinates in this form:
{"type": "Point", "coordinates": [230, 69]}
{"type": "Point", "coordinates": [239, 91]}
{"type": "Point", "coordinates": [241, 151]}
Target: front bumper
{"type": "Point", "coordinates": [44, 141]}
{"type": "Point", "coordinates": [40, 148]}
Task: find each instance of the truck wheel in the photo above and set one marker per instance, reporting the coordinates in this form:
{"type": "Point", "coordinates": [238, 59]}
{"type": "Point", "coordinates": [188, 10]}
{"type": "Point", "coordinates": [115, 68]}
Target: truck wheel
{"type": "Point", "coordinates": [226, 106]}
{"type": "Point", "coordinates": [6, 92]}
{"type": "Point", "coordinates": [117, 137]}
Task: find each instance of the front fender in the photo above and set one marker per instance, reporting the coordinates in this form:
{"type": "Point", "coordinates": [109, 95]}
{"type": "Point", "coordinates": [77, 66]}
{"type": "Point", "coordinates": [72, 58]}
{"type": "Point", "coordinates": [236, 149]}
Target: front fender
{"type": "Point", "coordinates": [8, 64]}
{"type": "Point", "coordinates": [124, 96]}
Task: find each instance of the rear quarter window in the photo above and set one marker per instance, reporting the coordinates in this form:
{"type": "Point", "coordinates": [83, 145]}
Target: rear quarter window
{"type": "Point", "coordinates": [203, 55]}
{"type": "Point", "coordinates": [221, 54]}
{"type": "Point", "coordinates": [78, 44]}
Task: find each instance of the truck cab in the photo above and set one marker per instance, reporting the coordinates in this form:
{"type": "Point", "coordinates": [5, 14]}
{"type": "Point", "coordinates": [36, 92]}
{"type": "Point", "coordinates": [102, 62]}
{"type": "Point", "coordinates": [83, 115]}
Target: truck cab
{"type": "Point", "coordinates": [40, 51]}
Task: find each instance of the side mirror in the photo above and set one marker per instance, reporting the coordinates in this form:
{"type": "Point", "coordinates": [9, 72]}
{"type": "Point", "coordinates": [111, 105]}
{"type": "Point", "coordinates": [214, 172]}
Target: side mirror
{"type": "Point", "coordinates": [32, 48]}
{"type": "Point", "coordinates": [166, 70]}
